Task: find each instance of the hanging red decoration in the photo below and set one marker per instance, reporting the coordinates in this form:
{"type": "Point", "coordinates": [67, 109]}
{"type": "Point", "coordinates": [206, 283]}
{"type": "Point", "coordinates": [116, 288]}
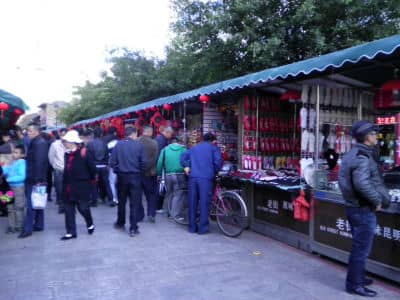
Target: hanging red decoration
{"type": "Point", "coordinates": [291, 96]}
{"type": "Point", "coordinates": [156, 120]}
{"type": "Point", "coordinates": [3, 107]}
{"type": "Point", "coordinates": [167, 106]}
{"type": "Point", "coordinates": [388, 95]}
{"type": "Point", "coordinates": [204, 99]}
{"type": "Point", "coordinates": [154, 108]}
{"type": "Point", "coordinates": [18, 112]}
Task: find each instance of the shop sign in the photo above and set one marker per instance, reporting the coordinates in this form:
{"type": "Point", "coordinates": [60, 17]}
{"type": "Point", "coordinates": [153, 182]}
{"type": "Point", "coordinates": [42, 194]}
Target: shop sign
{"type": "Point", "coordinates": [386, 120]}
{"type": "Point", "coordinates": [332, 228]}
{"type": "Point", "coordinates": [274, 206]}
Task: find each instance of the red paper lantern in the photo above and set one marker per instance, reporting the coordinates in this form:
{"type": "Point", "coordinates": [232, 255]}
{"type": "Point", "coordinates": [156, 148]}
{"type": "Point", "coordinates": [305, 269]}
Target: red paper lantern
{"type": "Point", "coordinates": [18, 112]}
{"type": "Point", "coordinates": [204, 99]}
{"type": "Point", "coordinates": [167, 107]}
{"type": "Point", "coordinates": [3, 107]}
{"type": "Point", "coordinates": [154, 108]}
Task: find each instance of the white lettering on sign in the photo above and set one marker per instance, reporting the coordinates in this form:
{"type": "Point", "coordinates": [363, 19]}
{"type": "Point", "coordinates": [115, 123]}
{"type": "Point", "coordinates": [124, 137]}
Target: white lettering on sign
{"type": "Point", "coordinates": [340, 224]}
{"type": "Point", "coordinates": [387, 233]}
{"type": "Point", "coordinates": [378, 230]}
{"type": "Point", "coordinates": [396, 235]}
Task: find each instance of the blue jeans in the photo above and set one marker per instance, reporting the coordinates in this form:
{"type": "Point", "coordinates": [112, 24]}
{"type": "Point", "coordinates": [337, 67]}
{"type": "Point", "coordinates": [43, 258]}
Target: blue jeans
{"type": "Point", "coordinates": [34, 218]}
{"type": "Point", "coordinates": [200, 192]}
{"type": "Point", "coordinates": [363, 224]}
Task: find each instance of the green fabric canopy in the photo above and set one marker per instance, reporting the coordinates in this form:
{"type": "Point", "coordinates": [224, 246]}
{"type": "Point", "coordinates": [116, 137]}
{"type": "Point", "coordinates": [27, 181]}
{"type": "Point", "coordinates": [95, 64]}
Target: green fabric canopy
{"type": "Point", "coordinates": [335, 61]}
{"type": "Point", "coordinates": [13, 100]}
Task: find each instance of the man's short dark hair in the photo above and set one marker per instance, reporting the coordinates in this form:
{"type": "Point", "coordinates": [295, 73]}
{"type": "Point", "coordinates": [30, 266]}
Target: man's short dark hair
{"type": "Point", "coordinates": [86, 133]}
{"type": "Point", "coordinates": [21, 149]}
{"type": "Point", "coordinates": [130, 130]}
{"type": "Point", "coordinates": [98, 132]}
{"type": "Point", "coordinates": [112, 130]}
{"type": "Point", "coordinates": [209, 137]}
{"type": "Point", "coordinates": [35, 126]}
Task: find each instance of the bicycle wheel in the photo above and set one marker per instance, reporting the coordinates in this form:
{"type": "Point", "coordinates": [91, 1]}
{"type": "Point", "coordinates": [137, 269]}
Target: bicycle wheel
{"type": "Point", "coordinates": [183, 216]}
{"type": "Point", "coordinates": [231, 213]}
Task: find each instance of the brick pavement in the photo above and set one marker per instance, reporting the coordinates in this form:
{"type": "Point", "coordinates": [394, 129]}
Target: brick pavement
{"type": "Point", "coordinates": [164, 262]}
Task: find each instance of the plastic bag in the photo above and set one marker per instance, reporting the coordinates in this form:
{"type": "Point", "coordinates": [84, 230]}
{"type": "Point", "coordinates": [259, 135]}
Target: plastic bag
{"type": "Point", "coordinates": [39, 197]}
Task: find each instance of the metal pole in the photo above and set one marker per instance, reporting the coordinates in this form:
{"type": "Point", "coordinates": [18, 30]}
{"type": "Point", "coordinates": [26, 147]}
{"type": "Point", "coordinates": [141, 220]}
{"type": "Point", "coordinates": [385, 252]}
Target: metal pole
{"type": "Point", "coordinates": [317, 108]}
{"type": "Point", "coordinates": [184, 123]}
{"type": "Point", "coordinates": [257, 133]}
{"type": "Point", "coordinates": [359, 108]}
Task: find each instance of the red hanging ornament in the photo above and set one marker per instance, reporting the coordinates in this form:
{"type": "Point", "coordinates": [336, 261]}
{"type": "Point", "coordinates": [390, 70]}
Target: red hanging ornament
{"type": "Point", "coordinates": [291, 96]}
{"type": "Point", "coordinates": [18, 112]}
{"type": "Point", "coordinates": [154, 108]}
{"type": "Point", "coordinates": [167, 106]}
{"type": "Point", "coordinates": [3, 107]}
{"type": "Point", "coordinates": [204, 99]}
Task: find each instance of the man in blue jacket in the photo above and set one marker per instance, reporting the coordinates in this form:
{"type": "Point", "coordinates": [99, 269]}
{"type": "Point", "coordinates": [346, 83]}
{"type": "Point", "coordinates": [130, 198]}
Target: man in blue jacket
{"type": "Point", "coordinates": [129, 162]}
{"type": "Point", "coordinates": [201, 163]}
{"type": "Point", "coordinates": [36, 173]}
{"type": "Point", "coordinates": [365, 193]}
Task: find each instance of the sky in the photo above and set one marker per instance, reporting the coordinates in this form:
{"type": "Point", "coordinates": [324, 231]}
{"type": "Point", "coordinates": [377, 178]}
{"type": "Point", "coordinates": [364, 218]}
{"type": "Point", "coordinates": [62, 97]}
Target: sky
{"type": "Point", "coordinates": [49, 46]}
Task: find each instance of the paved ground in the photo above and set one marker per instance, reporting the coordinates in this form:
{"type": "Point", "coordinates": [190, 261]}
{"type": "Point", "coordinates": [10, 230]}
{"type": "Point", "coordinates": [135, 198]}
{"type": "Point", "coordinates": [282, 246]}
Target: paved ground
{"type": "Point", "coordinates": [164, 262]}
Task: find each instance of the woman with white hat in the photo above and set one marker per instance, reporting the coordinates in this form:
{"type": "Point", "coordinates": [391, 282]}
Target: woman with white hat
{"type": "Point", "coordinates": [79, 173]}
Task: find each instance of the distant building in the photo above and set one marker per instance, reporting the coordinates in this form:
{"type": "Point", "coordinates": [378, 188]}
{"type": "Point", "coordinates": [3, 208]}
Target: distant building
{"type": "Point", "coordinates": [49, 114]}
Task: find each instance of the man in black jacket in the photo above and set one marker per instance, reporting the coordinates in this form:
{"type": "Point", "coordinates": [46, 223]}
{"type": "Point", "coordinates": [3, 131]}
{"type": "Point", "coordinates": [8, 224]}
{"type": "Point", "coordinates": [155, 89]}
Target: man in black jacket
{"type": "Point", "coordinates": [365, 193]}
{"type": "Point", "coordinates": [99, 151]}
{"type": "Point", "coordinates": [36, 173]}
{"type": "Point", "coordinates": [128, 161]}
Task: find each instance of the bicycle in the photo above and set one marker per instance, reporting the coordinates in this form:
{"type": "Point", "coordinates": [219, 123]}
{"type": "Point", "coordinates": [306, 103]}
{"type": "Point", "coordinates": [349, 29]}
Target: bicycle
{"type": "Point", "coordinates": [227, 207]}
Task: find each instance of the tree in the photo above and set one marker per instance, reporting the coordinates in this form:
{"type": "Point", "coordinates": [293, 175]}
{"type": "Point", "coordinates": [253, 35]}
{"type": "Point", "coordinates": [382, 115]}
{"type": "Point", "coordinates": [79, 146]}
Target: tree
{"type": "Point", "coordinates": [218, 40]}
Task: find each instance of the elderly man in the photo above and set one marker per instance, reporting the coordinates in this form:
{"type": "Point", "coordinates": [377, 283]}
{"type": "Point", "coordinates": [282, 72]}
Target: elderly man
{"type": "Point", "coordinates": [56, 160]}
{"type": "Point", "coordinates": [36, 173]}
{"type": "Point", "coordinates": [129, 162]}
{"type": "Point", "coordinates": [149, 180]}
{"type": "Point", "coordinates": [364, 191]}
{"type": "Point", "coordinates": [201, 163]}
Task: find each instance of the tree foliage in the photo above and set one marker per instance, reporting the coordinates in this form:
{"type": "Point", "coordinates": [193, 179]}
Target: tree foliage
{"type": "Point", "coordinates": [217, 40]}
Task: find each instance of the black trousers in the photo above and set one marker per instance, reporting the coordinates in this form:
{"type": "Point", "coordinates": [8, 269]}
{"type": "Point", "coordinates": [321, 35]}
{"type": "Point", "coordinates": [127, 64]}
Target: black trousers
{"type": "Point", "coordinates": [83, 207]}
{"type": "Point", "coordinates": [129, 186]}
{"type": "Point", "coordinates": [103, 185]}
{"type": "Point", "coordinates": [149, 185]}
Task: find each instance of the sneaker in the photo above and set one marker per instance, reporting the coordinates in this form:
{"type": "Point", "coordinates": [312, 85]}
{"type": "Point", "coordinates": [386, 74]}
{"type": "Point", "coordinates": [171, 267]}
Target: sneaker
{"type": "Point", "coordinates": [90, 229]}
{"type": "Point", "coordinates": [115, 200]}
{"type": "Point", "coordinates": [24, 235]}
{"type": "Point", "coordinates": [160, 211]}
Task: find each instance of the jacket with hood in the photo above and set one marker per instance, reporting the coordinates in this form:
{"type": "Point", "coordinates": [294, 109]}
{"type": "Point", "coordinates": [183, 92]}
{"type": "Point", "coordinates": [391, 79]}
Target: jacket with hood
{"type": "Point", "coordinates": [171, 156]}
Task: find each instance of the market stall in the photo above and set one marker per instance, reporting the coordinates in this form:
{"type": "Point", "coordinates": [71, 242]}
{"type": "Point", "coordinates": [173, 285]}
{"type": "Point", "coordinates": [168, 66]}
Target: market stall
{"type": "Point", "coordinates": [293, 127]}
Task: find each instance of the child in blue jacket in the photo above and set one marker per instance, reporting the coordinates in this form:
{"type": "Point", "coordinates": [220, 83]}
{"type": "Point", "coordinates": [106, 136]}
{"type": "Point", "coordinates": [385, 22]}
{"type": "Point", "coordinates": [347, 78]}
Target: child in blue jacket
{"type": "Point", "coordinates": [15, 174]}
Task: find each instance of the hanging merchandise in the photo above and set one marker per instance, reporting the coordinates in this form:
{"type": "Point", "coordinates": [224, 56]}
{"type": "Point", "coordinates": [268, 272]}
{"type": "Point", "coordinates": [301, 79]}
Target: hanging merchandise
{"type": "Point", "coordinates": [157, 120]}
{"type": "Point", "coordinates": [301, 208]}
{"type": "Point", "coordinates": [204, 99]}
{"type": "Point", "coordinates": [304, 94]}
{"type": "Point", "coordinates": [3, 108]}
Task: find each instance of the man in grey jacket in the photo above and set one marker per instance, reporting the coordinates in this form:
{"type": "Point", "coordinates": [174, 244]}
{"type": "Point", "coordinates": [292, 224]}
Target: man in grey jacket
{"type": "Point", "coordinates": [364, 191]}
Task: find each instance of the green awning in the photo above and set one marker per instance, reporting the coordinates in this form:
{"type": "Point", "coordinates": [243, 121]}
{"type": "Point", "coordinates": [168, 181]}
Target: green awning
{"type": "Point", "coordinates": [334, 62]}
{"type": "Point", "coordinates": [13, 100]}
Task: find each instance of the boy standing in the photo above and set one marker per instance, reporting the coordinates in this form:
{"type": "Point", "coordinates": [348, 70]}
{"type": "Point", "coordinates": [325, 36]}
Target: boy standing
{"type": "Point", "coordinates": [15, 174]}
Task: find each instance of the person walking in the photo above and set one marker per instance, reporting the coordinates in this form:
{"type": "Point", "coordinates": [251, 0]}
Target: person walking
{"type": "Point", "coordinates": [163, 139]}
{"type": "Point", "coordinates": [56, 160]}
{"type": "Point", "coordinates": [129, 162]}
{"type": "Point", "coordinates": [111, 139]}
{"type": "Point", "coordinates": [36, 174]}
{"type": "Point", "coordinates": [175, 179]}
{"type": "Point", "coordinates": [365, 193]}
{"type": "Point", "coordinates": [99, 151]}
{"type": "Point", "coordinates": [149, 179]}
{"type": "Point", "coordinates": [79, 172]}
{"type": "Point", "coordinates": [201, 163]}
{"type": "Point", "coordinates": [15, 175]}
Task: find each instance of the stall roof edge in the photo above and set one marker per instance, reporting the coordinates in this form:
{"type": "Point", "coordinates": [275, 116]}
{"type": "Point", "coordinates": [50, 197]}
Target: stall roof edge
{"type": "Point", "coordinates": [319, 64]}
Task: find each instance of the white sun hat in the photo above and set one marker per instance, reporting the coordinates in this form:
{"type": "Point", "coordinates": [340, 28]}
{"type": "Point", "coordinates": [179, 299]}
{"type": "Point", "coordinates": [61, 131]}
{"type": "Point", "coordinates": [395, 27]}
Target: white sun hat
{"type": "Point", "coordinates": [72, 136]}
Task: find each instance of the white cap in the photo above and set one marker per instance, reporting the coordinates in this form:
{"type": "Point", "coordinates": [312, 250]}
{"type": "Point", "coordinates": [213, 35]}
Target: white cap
{"type": "Point", "coordinates": [72, 136]}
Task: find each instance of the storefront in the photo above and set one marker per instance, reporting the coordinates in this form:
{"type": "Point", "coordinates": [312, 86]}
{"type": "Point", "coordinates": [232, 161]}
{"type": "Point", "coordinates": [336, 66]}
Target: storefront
{"type": "Point", "coordinates": [288, 126]}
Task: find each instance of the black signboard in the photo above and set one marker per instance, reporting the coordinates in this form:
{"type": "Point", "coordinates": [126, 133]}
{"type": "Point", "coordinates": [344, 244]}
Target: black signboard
{"type": "Point", "coordinates": [274, 205]}
{"type": "Point", "coordinates": [332, 228]}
